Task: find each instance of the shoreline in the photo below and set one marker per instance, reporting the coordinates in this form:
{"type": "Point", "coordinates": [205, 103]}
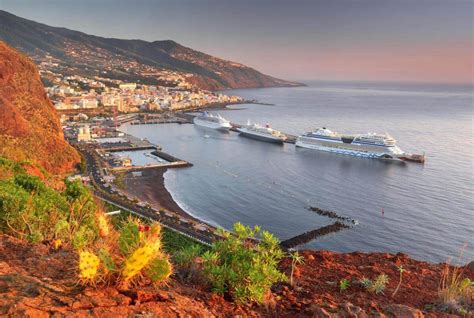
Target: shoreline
{"type": "Point", "coordinates": [150, 187]}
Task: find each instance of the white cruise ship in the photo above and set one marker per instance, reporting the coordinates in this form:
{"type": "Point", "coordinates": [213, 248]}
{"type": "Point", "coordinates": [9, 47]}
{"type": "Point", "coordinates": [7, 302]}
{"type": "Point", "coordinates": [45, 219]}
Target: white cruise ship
{"type": "Point", "coordinates": [209, 120]}
{"type": "Point", "coordinates": [369, 145]}
{"type": "Point", "coordinates": [264, 133]}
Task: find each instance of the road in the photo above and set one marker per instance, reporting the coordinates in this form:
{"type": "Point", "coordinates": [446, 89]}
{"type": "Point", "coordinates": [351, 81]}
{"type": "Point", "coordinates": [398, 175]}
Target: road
{"type": "Point", "coordinates": [169, 220]}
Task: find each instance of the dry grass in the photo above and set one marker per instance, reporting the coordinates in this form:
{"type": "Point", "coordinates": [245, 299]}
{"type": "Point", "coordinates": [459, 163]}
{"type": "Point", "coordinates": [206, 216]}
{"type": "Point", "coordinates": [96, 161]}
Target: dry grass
{"type": "Point", "coordinates": [455, 291]}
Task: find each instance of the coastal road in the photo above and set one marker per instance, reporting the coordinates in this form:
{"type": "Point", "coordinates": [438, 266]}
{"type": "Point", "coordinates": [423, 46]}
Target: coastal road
{"type": "Point", "coordinates": [169, 220]}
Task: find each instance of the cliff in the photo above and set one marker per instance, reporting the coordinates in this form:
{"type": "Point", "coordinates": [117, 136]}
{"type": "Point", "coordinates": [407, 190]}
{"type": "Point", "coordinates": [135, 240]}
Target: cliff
{"type": "Point", "coordinates": [29, 125]}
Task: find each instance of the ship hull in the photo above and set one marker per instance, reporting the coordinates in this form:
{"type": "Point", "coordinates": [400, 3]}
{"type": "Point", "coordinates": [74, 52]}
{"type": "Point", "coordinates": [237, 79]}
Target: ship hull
{"type": "Point", "coordinates": [273, 140]}
{"type": "Point", "coordinates": [349, 150]}
{"type": "Point", "coordinates": [210, 125]}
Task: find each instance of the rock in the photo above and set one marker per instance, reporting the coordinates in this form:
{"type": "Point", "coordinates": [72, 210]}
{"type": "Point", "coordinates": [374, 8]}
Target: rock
{"type": "Point", "coordinates": [470, 266]}
{"type": "Point", "coordinates": [318, 312]}
{"type": "Point", "coordinates": [28, 120]}
{"type": "Point", "coordinates": [291, 298]}
{"type": "Point", "coordinates": [296, 272]}
{"type": "Point", "coordinates": [353, 311]}
{"type": "Point", "coordinates": [402, 311]}
{"type": "Point", "coordinates": [310, 257]}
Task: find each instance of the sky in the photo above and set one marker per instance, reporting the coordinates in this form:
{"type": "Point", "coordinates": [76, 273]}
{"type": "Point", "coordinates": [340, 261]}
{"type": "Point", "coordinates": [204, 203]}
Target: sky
{"type": "Point", "coordinates": [386, 40]}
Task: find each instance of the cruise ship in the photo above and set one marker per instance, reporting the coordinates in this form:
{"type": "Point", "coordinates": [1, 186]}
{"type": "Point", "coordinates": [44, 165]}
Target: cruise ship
{"type": "Point", "coordinates": [209, 120]}
{"type": "Point", "coordinates": [369, 145]}
{"type": "Point", "coordinates": [264, 133]}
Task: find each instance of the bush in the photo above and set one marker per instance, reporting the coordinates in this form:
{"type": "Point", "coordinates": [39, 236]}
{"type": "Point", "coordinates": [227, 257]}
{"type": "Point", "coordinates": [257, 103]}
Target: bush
{"type": "Point", "coordinates": [375, 286]}
{"type": "Point", "coordinates": [456, 294]}
{"type": "Point", "coordinates": [189, 267]}
{"type": "Point", "coordinates": [243, 267]}
{"type": "Point", "coordinates": [33, 211]}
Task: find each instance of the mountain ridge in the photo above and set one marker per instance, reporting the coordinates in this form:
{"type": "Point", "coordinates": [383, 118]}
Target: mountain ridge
{"type": "Point", "coordinates": [112, 57]}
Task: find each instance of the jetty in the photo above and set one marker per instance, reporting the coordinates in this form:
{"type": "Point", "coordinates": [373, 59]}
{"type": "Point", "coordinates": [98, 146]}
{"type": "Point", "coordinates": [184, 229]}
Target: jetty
{"type": "Point", "coordinates": [313, 234]}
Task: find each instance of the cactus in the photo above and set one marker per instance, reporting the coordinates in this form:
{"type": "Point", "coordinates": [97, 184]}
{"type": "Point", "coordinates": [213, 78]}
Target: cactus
{"type": "Point", "coordinates": [139, 259]}
{"type": "Point", "coordinates": [57, 244]}
{"type": "Point", "coordinates": [129, 237]}
{"type": "Point", "coordinates": [88, 266]}
{"type": "Point", "coordinates": [136, 253]}
{"type": "Point", "coordinates": [154, 238]}
{"type": "Point", "coordinates": [102, 224]}
{"type": "Point", "coordinates": [159, 270]}
{"type": "Point", "coordinates": [107, 261]}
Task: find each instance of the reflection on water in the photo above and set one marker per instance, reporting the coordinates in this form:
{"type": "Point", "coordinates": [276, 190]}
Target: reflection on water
{"type": "Point", "coordinates": [428, 210]}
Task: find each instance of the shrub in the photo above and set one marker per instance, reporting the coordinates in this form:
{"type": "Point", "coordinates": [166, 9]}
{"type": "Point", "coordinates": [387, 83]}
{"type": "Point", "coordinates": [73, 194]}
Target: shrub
{"type": "Point", "coordinates": [344, 285]}
{"type": "Point", "coordinates": [400, 270]}
{"type": "Point", "coordinates": [189, 270]}
{"type": "Point", "coordinates": [242, 267]}
{"type": "Point", "coordinates": [296, 258]}
{"type": "Point", "coordinates": [376, 286]}
{"type": "Point", "coordinates": [455, 292]}
{"type": "Point", "coordinates": [33, 211]}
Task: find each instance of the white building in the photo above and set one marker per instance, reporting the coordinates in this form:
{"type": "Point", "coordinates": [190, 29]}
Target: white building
{"type": "Point", "coordinates": [84, 134]}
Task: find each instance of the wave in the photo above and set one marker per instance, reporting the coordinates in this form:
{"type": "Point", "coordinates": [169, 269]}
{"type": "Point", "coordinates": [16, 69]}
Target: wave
{"type": "Point", "coordinates": [181, 204]}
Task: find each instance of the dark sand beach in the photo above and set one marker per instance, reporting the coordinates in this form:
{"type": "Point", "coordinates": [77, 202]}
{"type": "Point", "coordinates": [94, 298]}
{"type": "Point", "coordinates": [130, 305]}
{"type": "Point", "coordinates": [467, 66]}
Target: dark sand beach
{"type": "Point", "coordinates": [150, 187]}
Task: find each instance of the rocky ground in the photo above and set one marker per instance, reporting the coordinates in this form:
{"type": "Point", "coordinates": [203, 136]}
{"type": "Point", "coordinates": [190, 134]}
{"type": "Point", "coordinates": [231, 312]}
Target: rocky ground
{"type": "Point", "coordinates": [37, 281]}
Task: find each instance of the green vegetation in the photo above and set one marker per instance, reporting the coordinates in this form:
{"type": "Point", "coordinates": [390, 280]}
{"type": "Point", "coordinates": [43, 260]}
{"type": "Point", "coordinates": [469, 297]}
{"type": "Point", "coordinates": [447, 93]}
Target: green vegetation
{"type": "Point", "coordinates": [455, 292]}
{"type": "Point", "coordinates": [125, 250]}
{"type": "Point", "coordinates": [400, 270]}
{"type": "Point", "coordinates": [242, 267]}
{"type": "Point", "coordinates": [296, 258]}
{"type": "Point", "coordinates": [189, 270]}
{"type": "Point", "coordinates": [119, 180]}
{"type": "Point", "coordinates": [130, 255]}
{"type": "Point", "coordinates": [32, 211]}
{"type": "Point", "coordinates": [344, 285]}
{"type": "Point", "coordinates": [173, 241]}
{"type": "Point", "coordinates": [377, 286]}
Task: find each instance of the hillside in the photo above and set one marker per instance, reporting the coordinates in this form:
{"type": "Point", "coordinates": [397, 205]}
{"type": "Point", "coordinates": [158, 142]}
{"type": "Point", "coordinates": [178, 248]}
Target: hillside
{"type": "Point", "coordinates": [88, 55]}
{"type": "Point", "coordinates": [49, 288]}
{"type": "Point", "coordinates": [29, 126]}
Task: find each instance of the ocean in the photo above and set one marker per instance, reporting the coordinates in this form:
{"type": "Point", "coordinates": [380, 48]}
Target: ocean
{"type": "Point", "coordinates": [428, 210]}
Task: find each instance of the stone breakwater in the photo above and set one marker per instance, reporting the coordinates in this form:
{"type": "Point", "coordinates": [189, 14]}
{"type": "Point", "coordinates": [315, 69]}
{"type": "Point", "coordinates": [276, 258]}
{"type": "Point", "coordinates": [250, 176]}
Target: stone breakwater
{"type": "Point", "coordinates": [313, 234]}
{"type": "Point", "coordinates": [331, 214]}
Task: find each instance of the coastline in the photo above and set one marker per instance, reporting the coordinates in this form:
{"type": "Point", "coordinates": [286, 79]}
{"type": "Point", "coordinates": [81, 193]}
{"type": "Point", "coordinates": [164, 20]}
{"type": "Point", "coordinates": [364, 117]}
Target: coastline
{"type": "Point", "coordinates": [150, 187]}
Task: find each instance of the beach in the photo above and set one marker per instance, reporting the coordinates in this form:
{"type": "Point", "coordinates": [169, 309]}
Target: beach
{"type": "Point", "coordinates": [150, 187]}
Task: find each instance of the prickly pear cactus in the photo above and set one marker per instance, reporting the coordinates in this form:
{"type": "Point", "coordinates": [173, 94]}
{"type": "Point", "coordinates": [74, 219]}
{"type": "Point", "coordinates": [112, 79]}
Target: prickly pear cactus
{"type": "Point", "coordinates": [107, 261]}
{"type": "Point", "coordinates": [137, 261]}
{"type": "Point", "coordinates": [103, 225]}
{"type": "Point", "coordinates": [129, 237]}
{"type": "Point", "coordinates": [88, 266]}
{"type": "Point", "coordinates": [159, 270]}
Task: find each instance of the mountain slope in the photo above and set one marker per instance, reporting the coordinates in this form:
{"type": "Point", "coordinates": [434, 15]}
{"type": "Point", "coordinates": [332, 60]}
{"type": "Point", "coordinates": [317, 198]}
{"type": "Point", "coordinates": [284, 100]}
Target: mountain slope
{"type": "Point", "coordinates": [122, 59]}
{"type": "Point", "coordinates": [29, 125]}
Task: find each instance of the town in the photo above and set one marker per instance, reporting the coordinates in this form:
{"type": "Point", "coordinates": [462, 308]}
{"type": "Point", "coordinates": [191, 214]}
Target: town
{"type": "Point", "coordinates": [176, 92]}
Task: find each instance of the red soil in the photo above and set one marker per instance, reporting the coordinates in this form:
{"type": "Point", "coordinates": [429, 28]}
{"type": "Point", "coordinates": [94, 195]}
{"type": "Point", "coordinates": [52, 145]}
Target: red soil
{"type": "Point", "coordinates": [36, 281]}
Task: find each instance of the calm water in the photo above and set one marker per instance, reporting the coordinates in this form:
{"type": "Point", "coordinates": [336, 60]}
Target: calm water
{"type": "Point", "coordinates": [428, 210]}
